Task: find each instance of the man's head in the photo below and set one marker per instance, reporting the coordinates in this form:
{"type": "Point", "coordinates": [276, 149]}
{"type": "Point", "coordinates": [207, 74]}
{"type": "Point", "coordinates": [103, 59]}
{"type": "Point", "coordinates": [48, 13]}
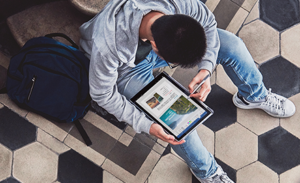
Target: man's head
{"type": "Point", "coordinates": [179, 39]}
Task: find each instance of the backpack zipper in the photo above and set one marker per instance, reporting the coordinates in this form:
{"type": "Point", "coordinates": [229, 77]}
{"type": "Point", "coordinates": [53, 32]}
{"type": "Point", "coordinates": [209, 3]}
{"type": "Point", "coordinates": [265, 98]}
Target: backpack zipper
{"type": "Point", "coordinates": [31, 88]}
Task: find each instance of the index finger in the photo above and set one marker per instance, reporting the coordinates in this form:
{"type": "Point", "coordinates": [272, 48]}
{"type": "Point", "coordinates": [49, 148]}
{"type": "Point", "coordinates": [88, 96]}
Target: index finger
{"type": "Point", "coordinates": [192, 85]}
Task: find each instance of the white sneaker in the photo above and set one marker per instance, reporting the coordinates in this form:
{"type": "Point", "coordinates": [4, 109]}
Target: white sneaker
{"type": "Point", "coordinates": [275, 105]}
{"type": "Point", "coordinates": [218, 177]}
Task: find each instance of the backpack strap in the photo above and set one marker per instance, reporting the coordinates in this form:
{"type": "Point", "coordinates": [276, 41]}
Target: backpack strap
{"type": "Point", "coordinates": [63, 36]}
{"type": "Point", "coordinates": [83, 133]}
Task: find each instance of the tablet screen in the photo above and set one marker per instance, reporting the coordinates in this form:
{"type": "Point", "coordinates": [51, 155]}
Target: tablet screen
{"type": "Point", "coordinates": [167, 102]}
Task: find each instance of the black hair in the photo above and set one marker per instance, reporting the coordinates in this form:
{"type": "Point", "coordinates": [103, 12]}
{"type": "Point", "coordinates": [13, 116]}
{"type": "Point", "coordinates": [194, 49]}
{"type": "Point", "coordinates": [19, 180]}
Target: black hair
{"type": "Point", "coordinates": [179, 39]}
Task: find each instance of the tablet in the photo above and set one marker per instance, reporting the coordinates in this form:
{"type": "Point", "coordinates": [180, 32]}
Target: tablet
{"type": "Point", "coordinates": [166, 102]}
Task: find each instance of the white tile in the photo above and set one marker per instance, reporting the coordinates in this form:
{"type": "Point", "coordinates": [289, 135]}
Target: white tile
{"type": "Point", "coordinates": [35, 163]}
{"type": "Point", "coordinates": [212, 4]}
{"type": "Point", "coordinates": [125, 139]}
{"type": "Point", "coordinates": [5, 100]}
{"type": "Point", "coordinates": [170, 169]}
{"type": "Point", "coordinates": [237, 21]}
{"type": "Point", "coordinates": [257, 172]}
{"type": "Point", "coordinates": [291, 176]}
{"type": "Point", "coordinates": [248, 4]}
{"type": "Point", "coordinates": [261, 40]}
{"type": "Point", "coordinates": [109, 178]}
{"type": "Point", "coordinates": [290, 43]}
{"type": "Point", "coordinates": [51, 142]}
{"type": "Point", "coordinates": [256, 120]}
{"type": "Point", "coordinates": [5, 162]}
{"type": "Point", "coordinates": [236, 146]}
{"type": "Point", "coordinates": [158, 148]}
{"type": "Point", "coordinates": [253, 15]}
{"type": "Point", "coordinates": [103, 125]}
{"type": "Point", "coordinates": [130, 131]}
{"type": "Point", "coordinates": [207, 137]}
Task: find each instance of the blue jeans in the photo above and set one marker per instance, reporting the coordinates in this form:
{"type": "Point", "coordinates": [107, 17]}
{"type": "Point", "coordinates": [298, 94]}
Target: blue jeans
{"type": "Point", "coordinates": [239, 66]}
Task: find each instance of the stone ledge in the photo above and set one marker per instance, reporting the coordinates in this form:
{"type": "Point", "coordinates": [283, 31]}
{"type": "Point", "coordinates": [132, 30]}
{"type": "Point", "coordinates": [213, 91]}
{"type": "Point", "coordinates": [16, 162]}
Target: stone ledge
{"type": "Point", "coordinates": [44, 19]}
{"type": "Point", "coordinates": [89, 7]}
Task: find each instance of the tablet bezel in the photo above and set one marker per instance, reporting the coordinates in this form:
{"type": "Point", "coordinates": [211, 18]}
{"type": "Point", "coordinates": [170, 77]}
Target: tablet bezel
{"type": "Point", "coordinates": [181, 88]}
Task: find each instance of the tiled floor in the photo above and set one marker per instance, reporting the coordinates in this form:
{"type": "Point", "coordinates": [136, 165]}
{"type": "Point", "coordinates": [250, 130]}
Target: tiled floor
{"type": "Point", "coordinates": [250, 145]}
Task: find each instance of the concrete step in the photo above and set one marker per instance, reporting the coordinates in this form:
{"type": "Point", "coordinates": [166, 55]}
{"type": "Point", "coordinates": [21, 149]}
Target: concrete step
{"type": "Point", "coordinates": [47, 18]}
{"type": "Point", "coordinates": [89, 7]}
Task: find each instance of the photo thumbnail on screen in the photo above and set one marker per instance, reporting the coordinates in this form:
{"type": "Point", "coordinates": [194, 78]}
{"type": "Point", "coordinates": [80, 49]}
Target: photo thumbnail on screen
{"type": "Point", "coordinates": [155, 100]}
{"type": "Point", "coordinates": [177, 112]}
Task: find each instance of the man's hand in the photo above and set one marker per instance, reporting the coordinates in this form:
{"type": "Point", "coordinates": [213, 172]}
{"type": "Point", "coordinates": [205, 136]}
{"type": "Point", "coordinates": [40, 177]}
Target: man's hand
{"type": "Point", "coordinates": [205, 88]}
{"type": "Point", "coordinates": [157, 131]}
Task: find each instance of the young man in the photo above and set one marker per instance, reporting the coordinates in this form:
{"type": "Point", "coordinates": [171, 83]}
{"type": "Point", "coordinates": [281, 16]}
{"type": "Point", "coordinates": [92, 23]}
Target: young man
{"type": "Point", "coordinates": [128, 39]}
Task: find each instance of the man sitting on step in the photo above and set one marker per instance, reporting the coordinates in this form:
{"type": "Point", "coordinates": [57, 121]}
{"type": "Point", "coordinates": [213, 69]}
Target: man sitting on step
{"type": "Point", "coordinates": [127, 39]}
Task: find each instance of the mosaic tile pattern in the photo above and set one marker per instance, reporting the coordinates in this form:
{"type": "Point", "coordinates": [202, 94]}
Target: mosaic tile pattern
{"type": "Point", "coordinates": [250, 145]}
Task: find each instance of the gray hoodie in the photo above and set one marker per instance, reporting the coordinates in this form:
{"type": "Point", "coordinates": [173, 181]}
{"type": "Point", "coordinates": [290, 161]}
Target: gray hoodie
{"type": "Point", "coordinates": [110, 40]}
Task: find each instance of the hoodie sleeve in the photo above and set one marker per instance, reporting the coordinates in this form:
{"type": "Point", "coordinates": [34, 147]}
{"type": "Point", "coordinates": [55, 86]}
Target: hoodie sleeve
{"type": "Point", "coordinates": [103, 90]}
{"type": "Point", "coordinates": [205, 17]}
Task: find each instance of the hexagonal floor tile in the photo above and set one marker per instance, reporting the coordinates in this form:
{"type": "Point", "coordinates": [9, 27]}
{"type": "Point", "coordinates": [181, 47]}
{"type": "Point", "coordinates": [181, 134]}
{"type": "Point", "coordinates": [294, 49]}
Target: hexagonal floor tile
{"type": "Point", "coordinates": [15, 131]}
{"type": "Point", "coordinates": [280, 14]}
{"type": "Point", "coordinates": [256, 120]}
{"type": "Point", "coordinates": [236, 146]}
{"type": "Point", "coordinates": [275, 76]}
{"type": "Point", "coordinates": [291, 175]}
{"type": "Point", "coordinates": [170, 169]}
{"type": "Point", "coordinates": [224, 110]}
{"type": "Point", "coordinates": [290, 44]}
{"type": "Point", "coordinates": [73, 167]}
{"type": "Point", "coordinates": [5, 162]}
{"type": "Point", "coordinates": [35, 163]}
{"type": "Point", "coordinates": [261, 40]}
{"type": "Point", "coordinates": [292, 124]}
{"type": "Point", "coordinates": [207, 137]}
{"type": "Point", "coordinates": [256, 172]}
{"type": "Point", "coordinates": [279, 150]}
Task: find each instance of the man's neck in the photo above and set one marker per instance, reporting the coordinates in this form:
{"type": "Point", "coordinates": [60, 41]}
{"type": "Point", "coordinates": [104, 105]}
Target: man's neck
{"type": "Point", "coordinates": [145, 27]}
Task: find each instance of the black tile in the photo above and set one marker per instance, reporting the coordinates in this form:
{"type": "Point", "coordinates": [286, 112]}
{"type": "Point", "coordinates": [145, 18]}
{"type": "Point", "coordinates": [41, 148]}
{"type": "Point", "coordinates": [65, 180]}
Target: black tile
{"type": "Point", "coordinates": [101, 141]}
{"type": "Point", "coordinates": [74, 168]}
{"type": "Point", "coordinates": [223, 18]}
{"type": "Point", "coordinates": [15, 131]}
{"type": "Point", "coordinates": [279, 150]}
{"type": "Point", "coordinates": [280, 14]}
{"type": "Point", "coordinates": [130, 158]}
{"type": "Point", "coordinates": [227, 169]}
{"type": "Point", "coordinates": [109, 117]}
{"type": "Point", "coordinates": [145, 139]}
{"type": "Point", "coordinates": [281, 76]}
{"type": "Point", "coordinates": [239, 2]}
{"type": "Point", "coordinates": [10, 180]}
{"type": "Point", "coordinates": [224, 110]}
{"type": "Point", "coordinates": [167, 150]}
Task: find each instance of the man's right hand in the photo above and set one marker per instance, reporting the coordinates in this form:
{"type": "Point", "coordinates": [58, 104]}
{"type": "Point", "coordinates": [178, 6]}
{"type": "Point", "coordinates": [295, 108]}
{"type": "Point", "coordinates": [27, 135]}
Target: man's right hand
{"type": "Point", "coordinates": [157, 131]}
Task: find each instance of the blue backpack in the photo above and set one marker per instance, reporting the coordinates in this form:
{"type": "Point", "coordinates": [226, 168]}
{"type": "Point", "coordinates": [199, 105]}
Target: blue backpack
{"type": "Point", "coordinates": [50, 78]}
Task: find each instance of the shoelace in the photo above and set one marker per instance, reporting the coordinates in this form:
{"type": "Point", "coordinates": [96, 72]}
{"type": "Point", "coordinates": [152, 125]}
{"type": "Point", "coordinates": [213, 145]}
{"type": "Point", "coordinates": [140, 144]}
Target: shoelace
{"type": "Point", "coordinates": [274, 101]}
{"type": "Point", "coordinates": [223, 178]}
